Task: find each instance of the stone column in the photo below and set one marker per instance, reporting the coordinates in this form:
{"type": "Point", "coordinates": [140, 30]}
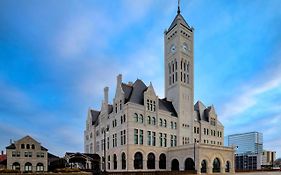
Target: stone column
{"type": "Point", "coordinates": [222, 169]}
{"type": "Point", "coordinates": [209, 169]}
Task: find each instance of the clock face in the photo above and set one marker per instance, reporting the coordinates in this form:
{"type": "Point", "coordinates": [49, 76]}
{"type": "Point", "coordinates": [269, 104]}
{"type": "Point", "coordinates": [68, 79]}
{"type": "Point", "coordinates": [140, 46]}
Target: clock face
{"type": "Point", "coordinates": [173, 48]}
{"type": "Point", "coordinates": [185, 47]}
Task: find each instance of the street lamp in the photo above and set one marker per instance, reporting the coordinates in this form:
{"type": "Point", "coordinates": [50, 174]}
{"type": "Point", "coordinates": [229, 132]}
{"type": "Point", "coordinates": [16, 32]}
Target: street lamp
{"type": "Point", "coordinates": [104, 149]}
{"type": "Point", "coordinates": [195, 143]}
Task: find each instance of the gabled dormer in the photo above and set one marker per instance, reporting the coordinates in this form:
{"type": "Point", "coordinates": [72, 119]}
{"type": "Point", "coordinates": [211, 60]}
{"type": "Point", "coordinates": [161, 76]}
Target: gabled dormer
{"type": "Point", "coordinates": [119, 99]}
{"type": "Point", "coordinates": [150, 99]}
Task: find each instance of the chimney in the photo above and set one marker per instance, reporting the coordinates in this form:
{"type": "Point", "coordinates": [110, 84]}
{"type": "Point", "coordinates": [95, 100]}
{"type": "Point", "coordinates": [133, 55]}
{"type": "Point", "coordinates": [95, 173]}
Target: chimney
{"type": "Point", "coordinates": [2, 152]}
{"type": "Point", "coordinates": [119, 79]}
{"type": "Point", "coordinates": [105, 90]}
{"type": "Point", "coordinates": [11, 141]}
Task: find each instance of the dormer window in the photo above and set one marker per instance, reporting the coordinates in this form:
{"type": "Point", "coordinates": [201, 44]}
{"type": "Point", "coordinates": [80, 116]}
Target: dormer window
{"type": "Point", "coordinates": [213, 121]}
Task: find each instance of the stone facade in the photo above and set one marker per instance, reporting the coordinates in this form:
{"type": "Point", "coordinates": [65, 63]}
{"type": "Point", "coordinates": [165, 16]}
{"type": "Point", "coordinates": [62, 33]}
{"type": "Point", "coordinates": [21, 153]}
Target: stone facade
{"type": "Point", "coordinates": [141, 132]}
{"type": "Point", "coordinates": [27, 155]}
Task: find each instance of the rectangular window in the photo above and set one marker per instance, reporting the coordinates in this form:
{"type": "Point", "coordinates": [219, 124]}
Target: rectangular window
{"type": "Point", "coordinates": [165, 140]}
{"type": "Point", "coordinates": [25, 154]}
{"type": "Point", "coordinates": [161, 139]}
{"type": "Point", "coordinates": [175, 139]}
{"type": "Point", "coordinates": [18, 154]}
{"type": "Point", "coordinates": [172, 141]}
{"type": "Point", "coordinates": [148, 137]}
{"type": "Point", "coordinates": [14, 154]}
{"type": "Point", "coordinates": [141, 137]}
{"type": "Point", "coordinates": [124, 137]}
{"type": "Point", "coordinates": [153, 139]}
{"type": "Point", "coordinates": [121, 137]}
{"type": "Point", "coordinates": [107, 142]}
{"type": "Point", "coordinates": [136, 136]}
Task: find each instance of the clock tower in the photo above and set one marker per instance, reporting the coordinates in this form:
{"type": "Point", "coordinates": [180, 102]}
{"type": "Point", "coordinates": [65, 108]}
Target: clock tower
{"type": "Point", "coordinates": [179, 79]}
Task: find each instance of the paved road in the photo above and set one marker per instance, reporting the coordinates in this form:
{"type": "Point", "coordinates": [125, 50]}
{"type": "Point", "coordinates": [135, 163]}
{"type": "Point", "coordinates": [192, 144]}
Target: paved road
{"type": "Point", "coordinates": [261, 173]}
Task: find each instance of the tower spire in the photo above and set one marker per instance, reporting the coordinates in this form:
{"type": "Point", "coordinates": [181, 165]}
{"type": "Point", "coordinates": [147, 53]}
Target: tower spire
{"type": "Point", "coordinates": [179, 10]}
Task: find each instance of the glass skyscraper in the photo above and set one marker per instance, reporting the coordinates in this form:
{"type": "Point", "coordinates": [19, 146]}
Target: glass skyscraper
{"type": "Point", "coordinates": [247, 143]}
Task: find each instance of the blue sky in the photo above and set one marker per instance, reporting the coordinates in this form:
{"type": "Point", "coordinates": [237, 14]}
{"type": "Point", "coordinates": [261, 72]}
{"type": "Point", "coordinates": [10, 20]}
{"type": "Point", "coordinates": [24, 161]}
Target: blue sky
{"type": "Point", "coordinates": [56, 57]}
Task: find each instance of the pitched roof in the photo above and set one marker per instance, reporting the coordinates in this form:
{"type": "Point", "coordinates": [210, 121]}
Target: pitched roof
{"type": "Point", "coordinates": [95, 115]}
{"type": "Point", "coordinates": [167, 106]}
{"type": "Point", "coordinates": [182, 21]}
{"type": "Point", "coordinates": [12, 146]}
{"type": "Point", "coordinates": [43, 148]}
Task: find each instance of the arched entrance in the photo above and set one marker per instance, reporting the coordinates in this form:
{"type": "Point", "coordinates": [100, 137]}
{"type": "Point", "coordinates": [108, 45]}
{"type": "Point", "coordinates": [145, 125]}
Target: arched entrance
{"type": "Point", "coordinates": [204, 166]}
{"type": "Point", "coordinates": [175, 165]}
{"type": "Point", "coordinates": [123, 156]}
{"type": "Point", "coordinates": [114, 161]}
{"type": "Point", "coordinates": [216, 166]}
{"type": "Point", "coordinates": [189, 164]}
{"type": "Point", "coordinates": [162, 161]}
{"type": "Point", "coordinates": [138, 161]}
{"type": "Point", "coordinates": [39, 167]}
{"type": "Point", "coordinates": [28, 167]}
{"type": "Point", "coordinates": [150, 161]}
{"type": "Point", "coordinates": [16, 166]}
{"type": "Point", "coordinates": [227, 166]}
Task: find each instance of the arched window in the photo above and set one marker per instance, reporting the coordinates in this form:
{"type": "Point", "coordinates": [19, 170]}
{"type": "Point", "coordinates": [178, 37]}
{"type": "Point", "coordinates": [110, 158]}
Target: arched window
{"type": "Point", "coordinates": [162, 161]}
{"type": "Point", "coordinates": [216, 166]}
{"type": "Point", "coordinates": [160, 122]}
{"type": "Point", "coordinates": [39, 167]}
{"type": "Point", "coordinates": [136, 118]}
{"type": "Point", "coordinates": [189, 164]}
{"type": "Point", "coordinates": [114, 161]}
{"type": "Point", "coordinates": [153, 121]}
{"type": "Point", "coordinates": [172, 125]}
{"type": "Point", "coordinates": [149, 120]}
{"type": "Point", "coordinates": [33, 146]}
{"type": "Point", "coordinates": [16, 166]}
{"type": "Point", "coordinates": [175, 165]}
{"type": "Point", "coordinates": [27, 146]}
{"type": "Point", "coordinates": [123, 161]}
{"type": "Point", "coordinates": [138, 164]}
{"type": "Point", "coordinates": [28, 167]}
{"type": "Point", "coordinates": [22, 146]}
{"type": "Point", "coordinates": [165, 123]}
{"type": "Point", "coordinates": [204, 166]}
{"type": "Point", "coordinates": [227, 166]}
{"type": "Point", "coordinates": [141, 118]}
{"type": "Point", "coordinates": [150, 161]}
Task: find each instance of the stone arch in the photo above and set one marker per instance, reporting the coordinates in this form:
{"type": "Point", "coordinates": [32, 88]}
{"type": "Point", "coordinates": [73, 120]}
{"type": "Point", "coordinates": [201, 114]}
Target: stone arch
{"type": "Point", "coordinates": [27, 167]}
{"type": "Point", "coordinates": [39, 167]}
{"type": "Point", "coordinates": [138, 160]}
{"type": "Point", "coordinates": [175, 165]}
{"type": "Point", "coordinates": [123, 160]}
{"type": "Point", "coordinates": [227, 166]}
{"type": "Point", "coordinates": [16, 166]}
{"type": "Point", "coordinates": [221, 161]}
{"type": "Point", "coordinates": [114, 161]}
{"type": "Point", "coordinates": [151, 161]}
{"type": "Point", "coordinates": [162, 161]}
{"type": "Point", "coordinates": [189, 164]}
{"type": "Point", "coordinates": [217, 165]}
{"type": "Point", "coordinates": [204, 165]}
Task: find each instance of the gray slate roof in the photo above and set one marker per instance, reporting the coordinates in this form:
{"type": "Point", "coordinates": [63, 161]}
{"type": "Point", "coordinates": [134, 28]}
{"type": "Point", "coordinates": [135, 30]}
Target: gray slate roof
{"type": "Point", "coordinates": [182, 21]}
{"type": "Point", "coordinates": [95, 115]}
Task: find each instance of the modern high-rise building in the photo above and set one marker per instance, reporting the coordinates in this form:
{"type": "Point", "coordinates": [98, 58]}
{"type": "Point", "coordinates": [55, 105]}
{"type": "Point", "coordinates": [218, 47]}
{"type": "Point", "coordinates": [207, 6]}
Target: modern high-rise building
{"type": "Point", "coordinates": [139, 131]}
{"type": "Point", "coordinates": [249, 149]}
{"type": "Point", "coordinates": [246, 143]}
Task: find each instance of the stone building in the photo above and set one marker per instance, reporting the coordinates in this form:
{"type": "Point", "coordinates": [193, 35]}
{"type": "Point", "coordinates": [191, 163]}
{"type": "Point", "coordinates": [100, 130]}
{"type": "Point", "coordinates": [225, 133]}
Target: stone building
{"type": "Point", "coordinates": [27, 155]}
{"type": "Point", "coordinates": [142, 132]}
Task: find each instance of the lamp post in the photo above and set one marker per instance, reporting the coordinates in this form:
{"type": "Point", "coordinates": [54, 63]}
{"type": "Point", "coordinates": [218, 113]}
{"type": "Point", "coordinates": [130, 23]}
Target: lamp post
{"type": "Point", "coordinates": [104, 149]}
{"type": "Point", "coordinates": [195, 143]}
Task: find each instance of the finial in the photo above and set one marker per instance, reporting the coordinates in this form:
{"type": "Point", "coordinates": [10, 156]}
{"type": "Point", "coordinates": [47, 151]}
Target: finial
{"type": "Point", "coordinates": [179, 11]}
